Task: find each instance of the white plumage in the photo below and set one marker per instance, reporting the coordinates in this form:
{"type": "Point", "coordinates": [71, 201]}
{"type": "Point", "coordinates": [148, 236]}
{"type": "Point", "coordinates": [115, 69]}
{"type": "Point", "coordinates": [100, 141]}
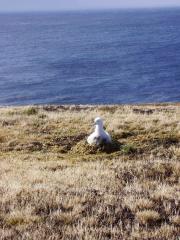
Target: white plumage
{"type": "Point", "coordinates": [99, 136]}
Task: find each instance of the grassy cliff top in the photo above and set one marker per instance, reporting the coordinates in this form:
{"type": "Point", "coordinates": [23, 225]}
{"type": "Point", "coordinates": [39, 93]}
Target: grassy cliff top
{"type": "Point", "coordinates": [54, 186]}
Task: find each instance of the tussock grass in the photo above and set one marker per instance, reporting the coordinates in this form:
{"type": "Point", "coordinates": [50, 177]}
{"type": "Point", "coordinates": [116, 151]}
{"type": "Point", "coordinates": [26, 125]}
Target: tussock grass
{"type": "Point", "coordinates": [148, 217]}
{"type": "Point", "coordinates": [53, 185]}
{"type": "Point", "coordinates": [31, 111]}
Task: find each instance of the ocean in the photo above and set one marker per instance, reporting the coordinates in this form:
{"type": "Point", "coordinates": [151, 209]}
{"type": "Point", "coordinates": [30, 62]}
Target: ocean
{"type": "Point", "coordinates": [90, 57]}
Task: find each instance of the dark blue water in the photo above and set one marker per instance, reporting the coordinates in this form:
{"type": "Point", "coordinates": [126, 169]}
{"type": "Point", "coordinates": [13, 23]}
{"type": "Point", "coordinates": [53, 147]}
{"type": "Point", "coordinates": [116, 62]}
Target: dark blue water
{"type": "Point", "coordinates": [90, 57]}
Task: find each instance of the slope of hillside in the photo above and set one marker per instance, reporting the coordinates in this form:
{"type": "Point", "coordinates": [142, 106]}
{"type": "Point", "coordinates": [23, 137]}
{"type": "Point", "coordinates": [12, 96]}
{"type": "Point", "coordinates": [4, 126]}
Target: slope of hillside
{"type": "Point", "coordinates": [54, 186]}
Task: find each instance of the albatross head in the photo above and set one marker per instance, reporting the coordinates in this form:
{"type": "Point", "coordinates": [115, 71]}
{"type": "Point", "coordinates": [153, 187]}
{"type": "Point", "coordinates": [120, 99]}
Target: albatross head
{"type": "Point", "coordinates": [98, 122]}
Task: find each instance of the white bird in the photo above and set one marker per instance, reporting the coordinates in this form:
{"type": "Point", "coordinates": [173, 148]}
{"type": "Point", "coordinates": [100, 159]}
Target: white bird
{"type": "Point", "coordinates": [99, 136]}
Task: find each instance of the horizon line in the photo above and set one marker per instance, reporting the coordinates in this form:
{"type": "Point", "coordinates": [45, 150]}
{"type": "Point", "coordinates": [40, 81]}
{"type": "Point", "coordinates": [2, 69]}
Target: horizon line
{"type": "Point", "coordinates": [91, 9]}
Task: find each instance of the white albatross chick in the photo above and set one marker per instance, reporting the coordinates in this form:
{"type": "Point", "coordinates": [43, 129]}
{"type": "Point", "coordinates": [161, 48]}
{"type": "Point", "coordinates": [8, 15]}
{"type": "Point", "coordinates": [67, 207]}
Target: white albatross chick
{"type": "Point", "coordinates": [99, 136]}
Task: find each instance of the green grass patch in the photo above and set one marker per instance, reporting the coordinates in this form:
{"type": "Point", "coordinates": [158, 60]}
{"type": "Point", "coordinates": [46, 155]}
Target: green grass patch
{"type": "Point", "coordinates": [31, 111]}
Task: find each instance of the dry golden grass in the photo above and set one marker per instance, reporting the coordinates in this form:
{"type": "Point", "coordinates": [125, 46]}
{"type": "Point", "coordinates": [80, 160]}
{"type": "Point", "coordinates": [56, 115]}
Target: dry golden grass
{"type": "Point", "coordinates": [54, 186]}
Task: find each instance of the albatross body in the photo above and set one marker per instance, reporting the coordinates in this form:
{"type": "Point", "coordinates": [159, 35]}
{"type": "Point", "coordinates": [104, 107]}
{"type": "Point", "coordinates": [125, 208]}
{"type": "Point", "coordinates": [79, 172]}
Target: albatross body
{"type": "Point", "coordinates": [99, 136]}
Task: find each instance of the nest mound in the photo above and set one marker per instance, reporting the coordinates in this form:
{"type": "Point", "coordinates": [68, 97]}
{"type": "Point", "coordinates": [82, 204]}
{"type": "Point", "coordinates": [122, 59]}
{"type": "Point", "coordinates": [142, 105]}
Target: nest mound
{"type": "Point", "coordinates": [82, 147]}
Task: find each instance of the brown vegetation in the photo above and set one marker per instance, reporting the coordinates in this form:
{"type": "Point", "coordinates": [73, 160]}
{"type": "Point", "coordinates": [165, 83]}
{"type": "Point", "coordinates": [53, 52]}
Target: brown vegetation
{"type": "Point", "coordinates": [53, 185]}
